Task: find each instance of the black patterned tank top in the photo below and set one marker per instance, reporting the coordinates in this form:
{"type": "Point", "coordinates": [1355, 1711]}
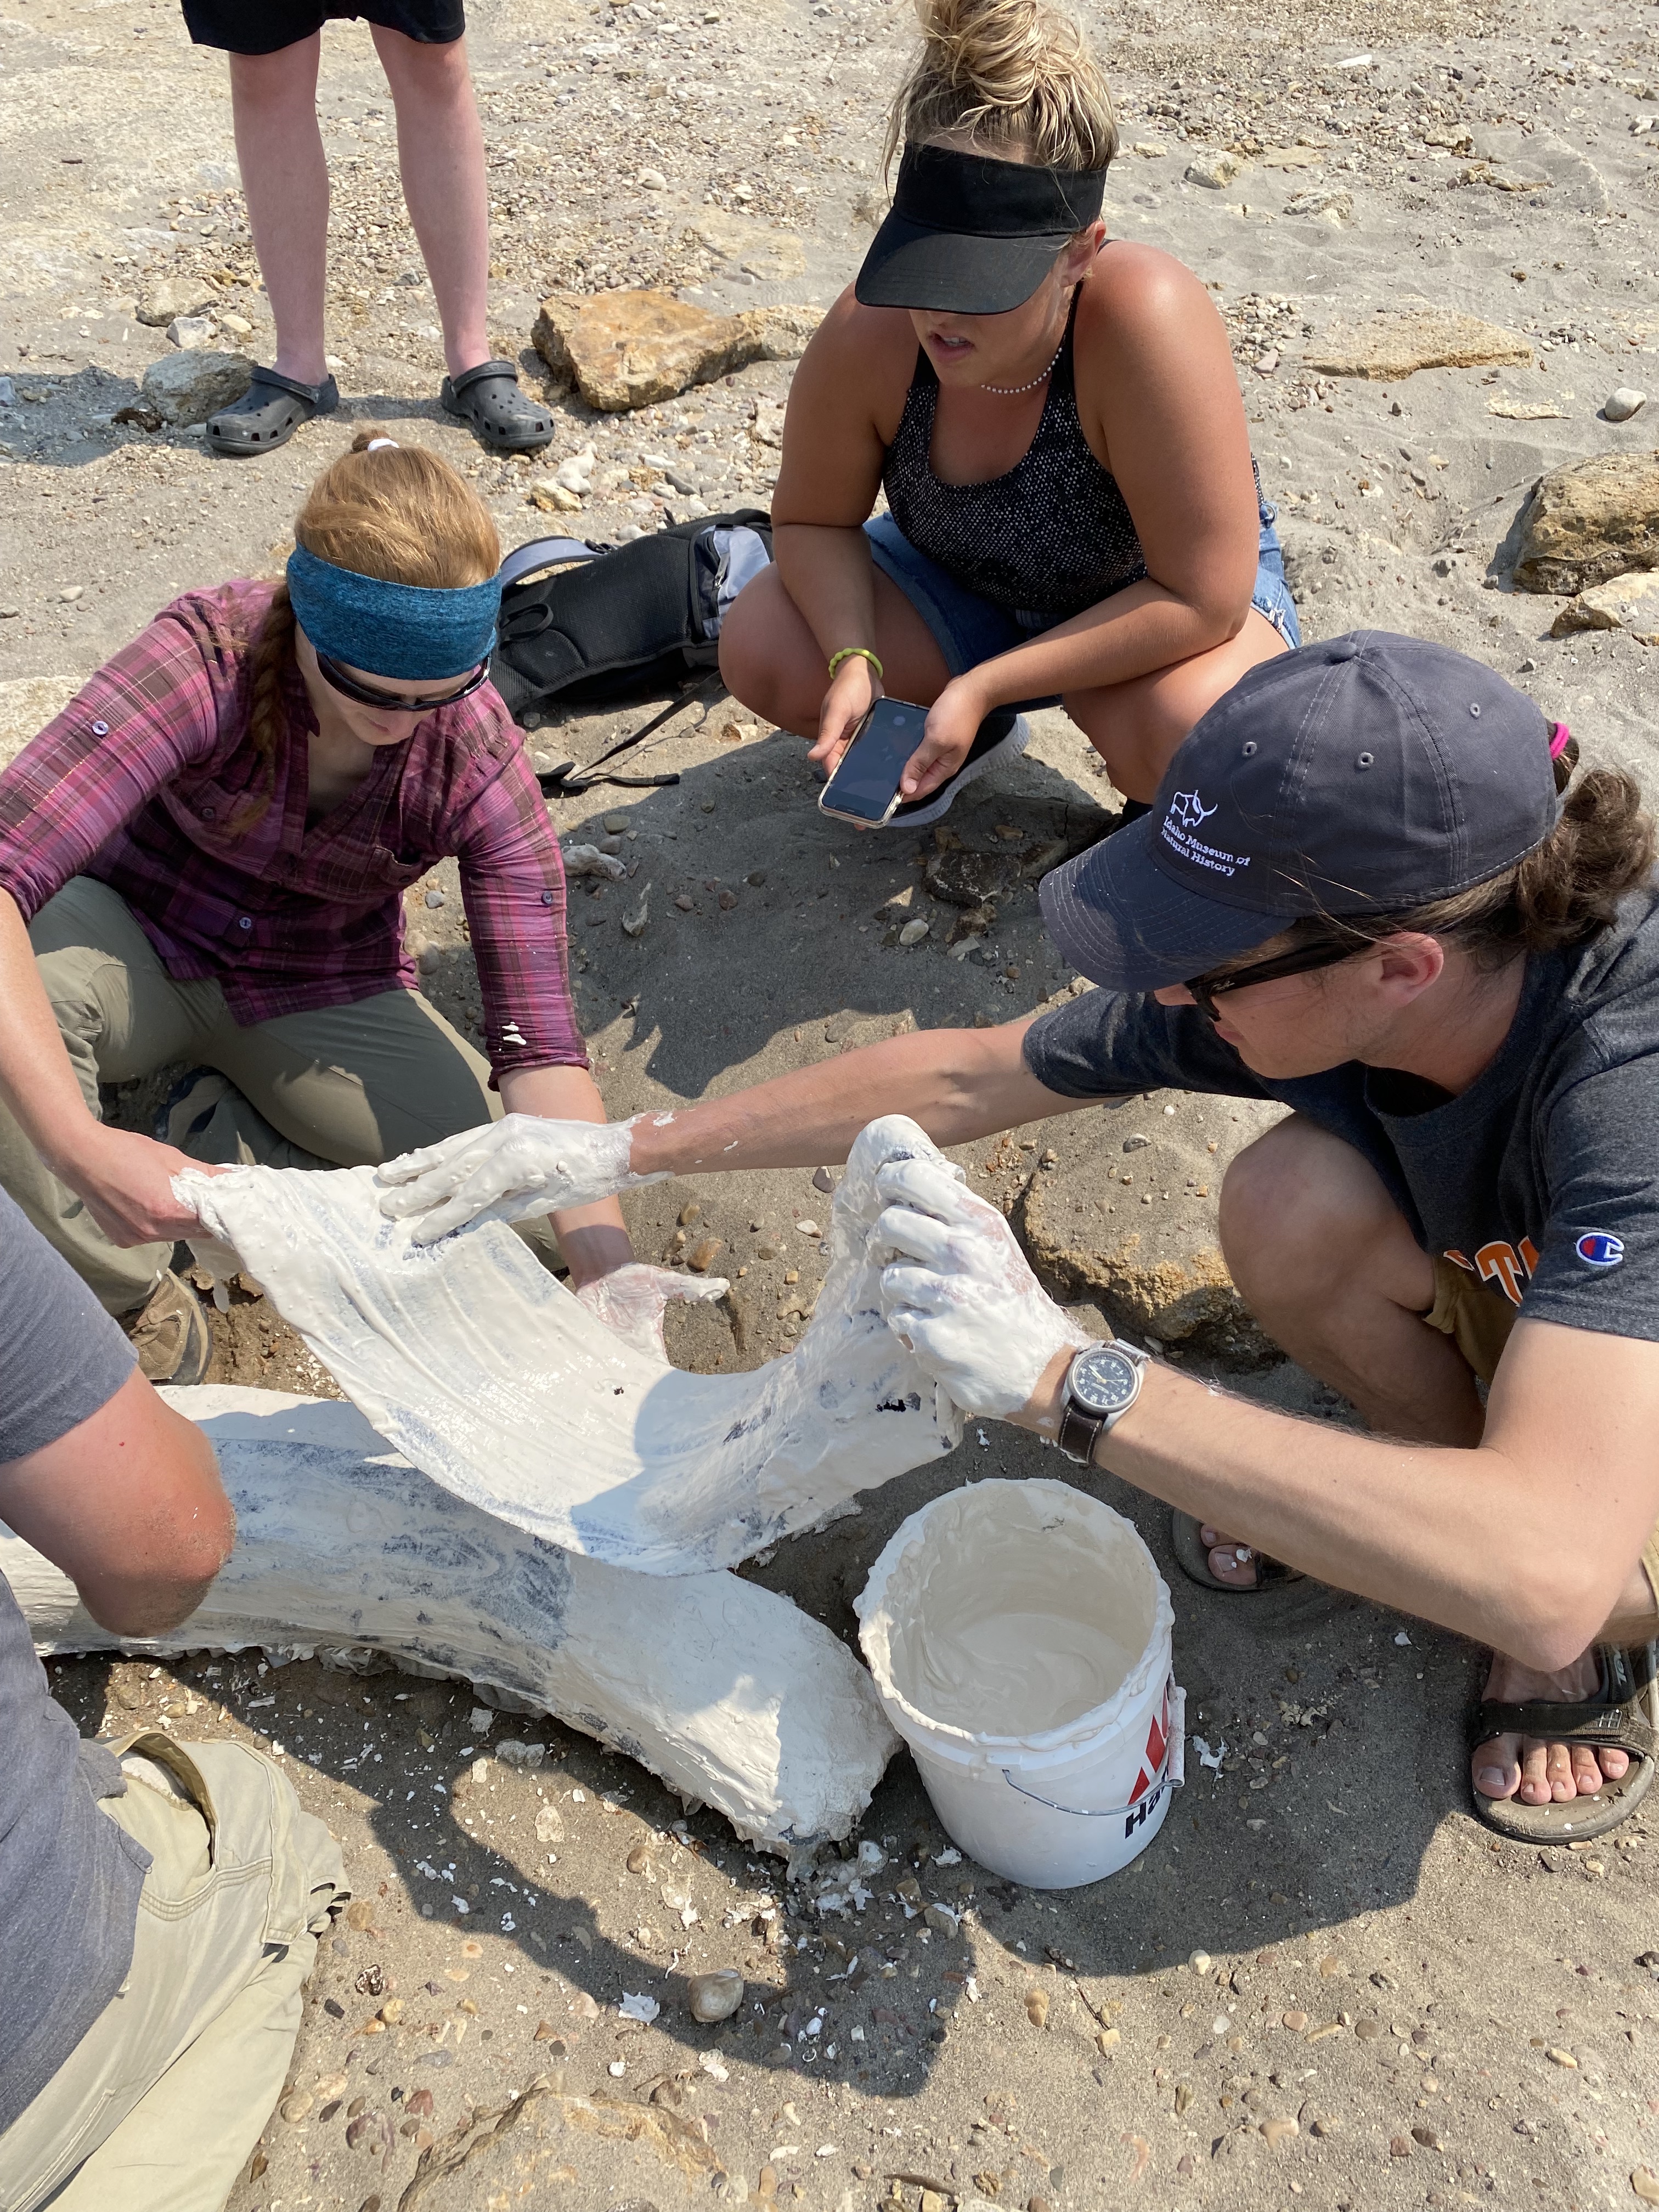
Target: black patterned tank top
{"type": "Point", "coordinates": [1051, 537]}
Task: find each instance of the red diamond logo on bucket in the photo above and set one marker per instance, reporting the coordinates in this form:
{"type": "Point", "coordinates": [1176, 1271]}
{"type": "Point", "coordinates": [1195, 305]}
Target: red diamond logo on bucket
{"type": "Point", "coordinates": [1157, 1743]}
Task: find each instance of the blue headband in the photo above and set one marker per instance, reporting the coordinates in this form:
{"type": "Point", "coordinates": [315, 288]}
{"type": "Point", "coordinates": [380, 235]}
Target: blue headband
{"type": "Point", "coordinates": [403, 631]}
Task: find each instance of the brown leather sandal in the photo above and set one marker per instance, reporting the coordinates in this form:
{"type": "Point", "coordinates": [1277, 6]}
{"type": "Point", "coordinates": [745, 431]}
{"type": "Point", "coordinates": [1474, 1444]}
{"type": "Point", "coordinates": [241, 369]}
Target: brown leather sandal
{"type": "Point", "coordinates": [1622, 1716]}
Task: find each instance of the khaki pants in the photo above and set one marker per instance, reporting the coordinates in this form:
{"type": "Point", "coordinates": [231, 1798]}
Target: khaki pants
{"type": "Point", "coordinates": [1478, 1323]}
{"type": "Point", "coordinates": [162, 2101]}
{"type": "Point", "coordinates": [338, 1087]}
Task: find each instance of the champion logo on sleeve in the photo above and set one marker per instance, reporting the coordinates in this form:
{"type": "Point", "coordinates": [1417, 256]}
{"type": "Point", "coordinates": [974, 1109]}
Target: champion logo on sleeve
{"type": "Point", "coordinates": [1597, 1249]}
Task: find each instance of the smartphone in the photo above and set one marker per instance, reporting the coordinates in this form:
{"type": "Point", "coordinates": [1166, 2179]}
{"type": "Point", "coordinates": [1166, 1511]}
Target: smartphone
{"type": "Point", "coordinates": [865, 788]}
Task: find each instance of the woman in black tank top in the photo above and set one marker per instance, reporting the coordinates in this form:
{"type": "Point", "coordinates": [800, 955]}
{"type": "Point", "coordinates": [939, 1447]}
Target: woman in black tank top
{"type": "Point", "coordinates": [1055, 418]}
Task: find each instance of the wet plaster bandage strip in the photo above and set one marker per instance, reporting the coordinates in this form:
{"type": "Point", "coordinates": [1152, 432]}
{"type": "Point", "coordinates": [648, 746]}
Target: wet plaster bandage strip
{"type": "Point", "coordinates": [473, 1362]}
{"type": "Point", "coordinates": [729, 1692]}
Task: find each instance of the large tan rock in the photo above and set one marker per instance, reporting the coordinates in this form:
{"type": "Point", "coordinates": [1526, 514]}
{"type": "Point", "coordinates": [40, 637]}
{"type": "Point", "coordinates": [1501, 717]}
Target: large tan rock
{"type": "Point", "coordinates": [1591, 521]}
{"type": "Point", "coordinates": [188, 387]}
{"type": "Point", "coordinates": [773, 256]}
{"type": "Point", "coordinates": [1153, 1268]}
{"type": "Point", "coordinates": [627, 349]}
{"type": "Point", "coordinates": [1628, 603]}
{"type": "Point", "coordinates": [1396, 346]}
{"type": "Point", "coordinates": [171, 296]}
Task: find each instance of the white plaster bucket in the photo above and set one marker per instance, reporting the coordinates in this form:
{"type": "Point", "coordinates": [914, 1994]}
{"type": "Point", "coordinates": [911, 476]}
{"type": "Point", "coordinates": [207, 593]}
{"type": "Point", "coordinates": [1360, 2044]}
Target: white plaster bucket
{"type": "Point", "coordinates": [1018, 1633]}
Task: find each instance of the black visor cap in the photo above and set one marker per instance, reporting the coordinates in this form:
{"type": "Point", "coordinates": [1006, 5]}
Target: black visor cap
{"type": "Point", "coordinates": [969, 235]}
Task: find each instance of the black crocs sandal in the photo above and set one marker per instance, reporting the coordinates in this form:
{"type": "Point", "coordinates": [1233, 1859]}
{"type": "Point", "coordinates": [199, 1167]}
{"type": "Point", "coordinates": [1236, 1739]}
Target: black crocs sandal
{"type": "Point", "coordinates": [1622, 1716]}
{"type": "Point", "coordinates": [1193, 1558]}
{"type": "Point", "coordinates": [268, 413]}
{"type": "Point", "coordinates": [503, 419]}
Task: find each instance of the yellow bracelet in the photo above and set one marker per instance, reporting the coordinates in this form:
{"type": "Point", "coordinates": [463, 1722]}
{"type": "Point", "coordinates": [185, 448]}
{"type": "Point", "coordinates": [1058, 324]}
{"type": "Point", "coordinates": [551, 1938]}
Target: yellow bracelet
{"type": "Point", "coordinates": [855, 652]}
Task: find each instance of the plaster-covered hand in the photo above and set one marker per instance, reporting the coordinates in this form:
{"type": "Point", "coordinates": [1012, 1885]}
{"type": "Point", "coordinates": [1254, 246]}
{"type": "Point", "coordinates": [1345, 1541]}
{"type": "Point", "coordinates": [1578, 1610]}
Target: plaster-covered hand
{"type": "Point", "coordinates": [632, 1300]}
{"type": "Point", "coordinates": [508, 1171]}
{"type": "Point", "coordinates": [956, 1289]}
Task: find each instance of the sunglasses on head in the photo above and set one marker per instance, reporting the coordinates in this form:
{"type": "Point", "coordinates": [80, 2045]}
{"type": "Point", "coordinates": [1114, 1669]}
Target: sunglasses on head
{"type": "Point", "coordinates": [367, 695]}
{"type": "Point", "coordinates": [1207, 989]}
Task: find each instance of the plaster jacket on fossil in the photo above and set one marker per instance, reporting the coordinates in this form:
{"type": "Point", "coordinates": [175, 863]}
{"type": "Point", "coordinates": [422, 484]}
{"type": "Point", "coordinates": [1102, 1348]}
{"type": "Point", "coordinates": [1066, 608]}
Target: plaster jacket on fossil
{"type": "Point", "coordinates": [473, 1362]}
{"type": "Point", "coordinates": [729, 1692]}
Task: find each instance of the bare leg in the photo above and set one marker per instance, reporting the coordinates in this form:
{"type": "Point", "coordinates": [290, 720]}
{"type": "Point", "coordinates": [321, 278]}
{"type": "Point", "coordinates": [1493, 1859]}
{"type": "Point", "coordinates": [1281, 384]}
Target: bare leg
{"type": "Point", "coordinates": [1136, 727]}
{"type": "Point", "coordinates": [1327, 1264]}
{"type": "Point", "coordinates": [771, 661]}
{"type": "Point", "coordinates": [273, 98]}
{"type": "Point", "coordinates": [441, 159]}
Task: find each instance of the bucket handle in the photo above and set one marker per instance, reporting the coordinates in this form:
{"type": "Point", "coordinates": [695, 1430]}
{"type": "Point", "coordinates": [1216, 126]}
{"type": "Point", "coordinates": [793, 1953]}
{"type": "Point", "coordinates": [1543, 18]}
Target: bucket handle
{"type": "Point", "coordinates": [1172, 1773]}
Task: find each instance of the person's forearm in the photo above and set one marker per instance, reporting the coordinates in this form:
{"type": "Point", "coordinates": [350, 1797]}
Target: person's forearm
{"type": "Point", "coordinates": [593, 1239]}
{"type": "Point", "coordinates": [958, 1084]}
{"type": "Point", "coordinates": [1453, 1536]}
{"type": "Point", "coordinates": [1132, 633]}
{"type": "Point", "coordinates": [828, 573]}
{"type": "Point", "coordinates": [36, 1079]}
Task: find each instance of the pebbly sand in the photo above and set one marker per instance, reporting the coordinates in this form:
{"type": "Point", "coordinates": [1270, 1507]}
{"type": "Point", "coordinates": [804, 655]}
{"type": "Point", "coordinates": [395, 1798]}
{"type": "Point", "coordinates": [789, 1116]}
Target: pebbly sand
{"type": "Point", "coordinates": [1325, 1984]}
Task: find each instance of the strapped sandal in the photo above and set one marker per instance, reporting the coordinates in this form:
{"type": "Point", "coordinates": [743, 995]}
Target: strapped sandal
{"type": "Point", "coordinates": [504, 420]}
{"type": "Point", "coordinates": [1193, 1558]}
{"type": "Point", "coordinates": [268, 413]}
{"type": "Point", "coordinates": [1622, 1716]}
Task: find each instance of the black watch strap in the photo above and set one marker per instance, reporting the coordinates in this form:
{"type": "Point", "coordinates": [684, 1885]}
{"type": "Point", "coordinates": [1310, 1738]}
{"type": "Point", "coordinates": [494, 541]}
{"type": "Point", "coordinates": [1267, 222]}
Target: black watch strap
{"type": "Point", "coordinates": [1079, 1432]}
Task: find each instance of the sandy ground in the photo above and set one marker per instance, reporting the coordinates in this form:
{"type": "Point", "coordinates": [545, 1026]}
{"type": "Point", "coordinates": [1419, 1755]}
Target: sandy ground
{"type": "Point", "coordinates": [1321, 1935]}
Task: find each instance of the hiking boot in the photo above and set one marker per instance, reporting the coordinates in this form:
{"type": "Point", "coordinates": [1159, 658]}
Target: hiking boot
{"type": "Point", "coordinates": [170, 1333]}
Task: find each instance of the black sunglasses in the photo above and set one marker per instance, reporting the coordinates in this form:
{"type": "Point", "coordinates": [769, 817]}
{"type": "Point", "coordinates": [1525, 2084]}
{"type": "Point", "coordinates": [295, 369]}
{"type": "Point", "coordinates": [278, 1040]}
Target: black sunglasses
{"type": "Point", "coordinates": [366, 694]}
{"type": "Point", "coordinates": [1207, 989]}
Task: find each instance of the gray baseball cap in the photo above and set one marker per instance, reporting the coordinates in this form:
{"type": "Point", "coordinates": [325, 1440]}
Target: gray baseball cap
{"type": "Point", "coordinates": [1362, 774]}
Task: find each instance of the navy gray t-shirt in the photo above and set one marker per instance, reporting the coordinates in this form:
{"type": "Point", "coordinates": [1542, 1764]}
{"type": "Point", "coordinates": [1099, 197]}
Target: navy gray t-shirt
{"type": "Point", "coordinates": [1541, 1179]}
{"type": "Point", "coordinates": [70, 1878]}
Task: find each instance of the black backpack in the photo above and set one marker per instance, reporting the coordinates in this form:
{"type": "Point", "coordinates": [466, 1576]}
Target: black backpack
{"type": "Point", "coordinates": [621, 622]}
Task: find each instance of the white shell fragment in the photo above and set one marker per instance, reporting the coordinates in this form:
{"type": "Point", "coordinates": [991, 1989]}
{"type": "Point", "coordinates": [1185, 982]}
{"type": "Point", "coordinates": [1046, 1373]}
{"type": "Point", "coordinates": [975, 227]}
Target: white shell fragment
{"type": "Point", "coordinates": [470, 1359]}
{"type": "Point", "coordinates": [729, 1694]}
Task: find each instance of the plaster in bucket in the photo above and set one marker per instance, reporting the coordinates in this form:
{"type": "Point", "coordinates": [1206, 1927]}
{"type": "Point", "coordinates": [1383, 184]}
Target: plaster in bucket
{"type": "Point", "coordinates": [1019, 1636]}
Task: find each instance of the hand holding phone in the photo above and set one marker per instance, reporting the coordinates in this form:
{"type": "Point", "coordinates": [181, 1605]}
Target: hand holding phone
{"type": "Point", "coordinates": [865, 788]}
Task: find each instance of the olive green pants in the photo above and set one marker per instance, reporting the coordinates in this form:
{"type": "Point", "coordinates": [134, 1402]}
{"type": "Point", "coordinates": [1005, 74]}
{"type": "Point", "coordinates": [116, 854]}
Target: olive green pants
{"type": "Point", "coordinates": [341, 1086]}
{"type": "Point", "coordinates": [160, 2104]}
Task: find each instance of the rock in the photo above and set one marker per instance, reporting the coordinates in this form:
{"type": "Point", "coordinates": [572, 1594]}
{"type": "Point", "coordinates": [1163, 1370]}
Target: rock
{"type": "Point", "coordinates": [1214, 170]}
{"type": "Point", "coordinates": [514, 1753]}
{"type": "Point", "coordinates": [1619, 406]}
{"type": "Point", "coordinates": [1646, 2185]}
{"type": "Point", "coordinates": [615, 823]}
{"type": "Point", "coordinates": [191, 332]}
{"type": "Point", "coordinates": [236, 326]}
{"type": "Point", "coordinates": [1526, 411]}
{"type": "Point", "coordinates": [173, 296]}
{"type": "Point", "coordinates": [553, 498]}
{"type": "Point", "coordinates": [703, 1253]}
{"type": "Point", "coordinates": [74, 593]}
{"type": "Point", "coordinates": [715, 1996]}
{"type": "Point", "coordinates": [359, 1913]}
{"type": "Point", "coordinates": [188, 387]}
{"type": "Point", "coordinates": [1426, 2136]}
{"type": "Point", "coordinates": [575, 473]}
{"type": "Point", "coordinates": [1183, 2096]}
{"type": "Point", "coordinates": [1199, 1961]}
{"type": "Point", "coordinates": [1400, 343]}
{"type": "Point", "coordinates": [1400, 2146]}
{"type": "Point", "coordinates": [295, 2108]}
{"type": "Point", "coordinates": [1558, 2057]}
{"type": "Point", "coordinates": [773, 256]}
{"type": "Point", "coordinates": [634, 924]}
{"type": "Point", "coordinates": [1279, 2132]}
{"type": "Point", "coordinates": [1296, 2022]}
{"type": "Point", "coordinates": [1591, 521]}
{"type": "Point", "coordinates": [1628, 603]}
{"type": "Point", "coordinates": [808, 1229]}
{"type": "Point", "coordinates": [653, 181]}
{"type": "Point", "coordinates": [1037, 2008]}
{"type": "Point", "coordinates": [1323, 203]}
{"type": "Point", "coordinates": [913, 932]}
{"type": "Point", "coordinates": [1149, 149]}
{"type": "Point", "coordinates": [628, 349]}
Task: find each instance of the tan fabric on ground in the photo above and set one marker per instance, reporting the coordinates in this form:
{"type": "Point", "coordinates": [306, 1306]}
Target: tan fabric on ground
{"type": "Point", "coordinates": [1478, 1323]}
{"type": "Point", "coordinates": [340, 1086]}
{"type": "Point", "coordinates": [161, 2105]}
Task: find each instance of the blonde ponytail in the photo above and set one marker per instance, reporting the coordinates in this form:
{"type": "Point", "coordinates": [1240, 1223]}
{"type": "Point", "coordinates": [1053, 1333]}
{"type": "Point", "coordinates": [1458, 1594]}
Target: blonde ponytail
{"type": "Point", "coordinates": [1013, 78]}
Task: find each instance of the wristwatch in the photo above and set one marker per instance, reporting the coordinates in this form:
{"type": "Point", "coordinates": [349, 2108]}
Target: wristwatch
{"type": "Point", "coordinates": [1101, 1384]}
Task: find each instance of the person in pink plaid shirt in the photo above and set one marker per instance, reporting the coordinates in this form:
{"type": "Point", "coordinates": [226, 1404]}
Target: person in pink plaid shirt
{"type": "Point", "coordinates": [202, 861]}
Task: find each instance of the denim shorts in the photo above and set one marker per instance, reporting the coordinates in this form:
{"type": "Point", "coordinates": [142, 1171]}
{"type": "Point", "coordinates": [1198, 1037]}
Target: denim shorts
{"type": "Point", "coordinates": [969, 629]}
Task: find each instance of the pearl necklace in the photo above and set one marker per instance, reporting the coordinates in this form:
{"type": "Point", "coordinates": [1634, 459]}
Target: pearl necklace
{"type": "Point", "coordinates": [1013, 390]}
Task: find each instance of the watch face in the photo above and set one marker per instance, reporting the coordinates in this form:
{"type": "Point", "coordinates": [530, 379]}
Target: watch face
{"type": "Point", "coordinates": [1103, 1381]}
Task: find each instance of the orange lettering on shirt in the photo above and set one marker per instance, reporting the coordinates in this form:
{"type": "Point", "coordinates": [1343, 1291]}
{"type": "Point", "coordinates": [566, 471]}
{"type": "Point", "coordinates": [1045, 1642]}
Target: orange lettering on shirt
{"type": "Point", "coordinates": [1460, 1260]}
{"type": "Point", "coordinates": [1529, 1255]}
{"type": "Point", "coordinates": [1500, 1262]}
